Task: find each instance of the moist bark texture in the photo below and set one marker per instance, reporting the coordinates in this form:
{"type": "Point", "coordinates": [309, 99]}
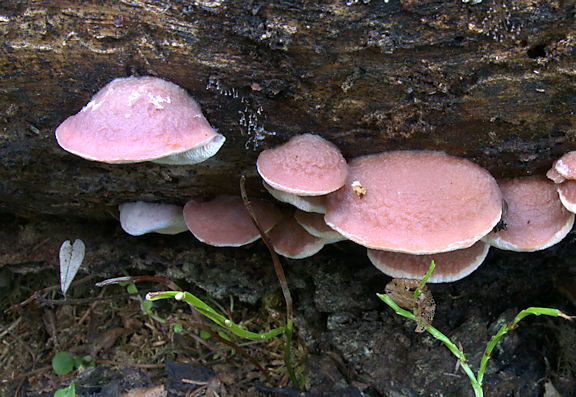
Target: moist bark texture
{"type": "Point", "coordinates": [492, 82]}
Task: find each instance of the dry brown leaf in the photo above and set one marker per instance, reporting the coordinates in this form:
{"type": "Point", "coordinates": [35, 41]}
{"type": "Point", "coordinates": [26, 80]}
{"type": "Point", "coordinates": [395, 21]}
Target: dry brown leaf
{"type": "Point", "coordinates": [401, 291]}
{"type": "Point", "coordinates": [156, 391]}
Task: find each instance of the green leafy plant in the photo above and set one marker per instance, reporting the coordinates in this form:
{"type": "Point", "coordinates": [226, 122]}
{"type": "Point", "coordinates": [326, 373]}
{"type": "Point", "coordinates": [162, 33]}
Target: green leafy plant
{"type": "Point", "coordinates": [145, 304]}
{"type": "Point", "coordinates": [475, 380]}
{"type": "Point", "coordinates": [204, 309]}
{"type": "Point", "coordinates": [213, 315]}
{"type": "Point", "coordinates": [177, 327]}
{"type": "Point", "coordinates": [69, 391]}
{"type": "Point", "coordinates": [63, 362]}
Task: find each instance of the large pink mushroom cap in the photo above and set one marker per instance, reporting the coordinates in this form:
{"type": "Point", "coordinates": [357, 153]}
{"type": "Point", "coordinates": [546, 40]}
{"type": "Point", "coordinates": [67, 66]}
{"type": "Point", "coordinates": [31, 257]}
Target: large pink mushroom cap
{"type": "Point", "coordinates": [449, 266]}
{"type": "Point", "coordinates": [225, 221]}
{"type": "Point", "coordinates": [417, 202]}
{"type": "Point", "coordinates": [306, 165]}
{"type": "Point", "coordinates": [535, 219]}
{"type": "Point", "coordinates": [138, 119]}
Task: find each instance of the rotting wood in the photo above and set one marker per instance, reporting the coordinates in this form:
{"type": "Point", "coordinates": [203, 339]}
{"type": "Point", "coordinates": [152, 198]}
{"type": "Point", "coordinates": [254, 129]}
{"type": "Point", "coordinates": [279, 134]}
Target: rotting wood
{"type": "Point", "coordinates": [492, 82]}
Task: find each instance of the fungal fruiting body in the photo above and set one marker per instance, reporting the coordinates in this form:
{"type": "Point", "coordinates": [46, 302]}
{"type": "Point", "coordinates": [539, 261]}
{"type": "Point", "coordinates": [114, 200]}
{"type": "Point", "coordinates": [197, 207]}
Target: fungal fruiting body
{"type": "Point", "coordinates": [291, 240]}
{"type": "Point", "coordinates": [535, 219]}
{"type": "Point", "coordinates": [139, 119]}
{"type": "Point", "coordinates": [450, 266]}
{"type": "Point", "coordinates": [567, 194]}
{"type": "Point", "coordinates": [315, 204]}
{"type": "Point", "coordinates": [306, 165]}
{"type": "Point", "coordinates": [564, 168]}
{"type": "Point", "coordinates": [417, 202]}
{"type": "Point", "coordinates": [303, 170]}
{"type": "Point", "coordinates": [139, 218]}
{"type": "Point", "coordinates": [225, 222]}
{"type": "Point", "coordinates": [314, 224]}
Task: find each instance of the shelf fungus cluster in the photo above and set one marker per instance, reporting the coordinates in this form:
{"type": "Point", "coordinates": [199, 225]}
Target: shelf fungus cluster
{"type": "Point", "coordinates": [418, 206]}
{"type": "Point", "coordinates": [411, 207]}
{"type": "Point", "coordinates": [406, 207]}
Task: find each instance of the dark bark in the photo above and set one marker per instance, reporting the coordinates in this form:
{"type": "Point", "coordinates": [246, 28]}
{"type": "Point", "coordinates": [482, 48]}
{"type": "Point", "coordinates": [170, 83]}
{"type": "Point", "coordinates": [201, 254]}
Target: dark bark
{"type": "Point", "coordinates": [492, 82]}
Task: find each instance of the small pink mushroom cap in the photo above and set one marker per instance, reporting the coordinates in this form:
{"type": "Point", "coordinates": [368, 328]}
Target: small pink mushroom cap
{"type": "Point", "coordinates": [225, 222]}
{"type": "Point", "coordinates": [449, 266]}
{"type": "Point", "coordinates": [563, 168]}
{"type": "Point", "coordinates": [567, 193]}
{"type": "Point", "coordinates": [139, 218]}
{"type": "Point", "coordinates": [306, 165]}
{"type": "Point", "coordinates": [417, 202]}
{"type": "Point", "coordinates": [292, 241]}
{"type": "Point", "coordinates": [555, 176]}
{"type": "Point", "coordinates": [535, 219]}
{"type": "Point", "coordinates": [138, 119]}
{"type": "Point", "coordinates": [305, 203]}
{"type": "Point", "coordinates": [314, 224]}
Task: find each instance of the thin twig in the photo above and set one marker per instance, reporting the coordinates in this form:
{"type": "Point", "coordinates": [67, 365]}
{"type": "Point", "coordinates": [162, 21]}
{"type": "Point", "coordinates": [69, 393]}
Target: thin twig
{"type": "Point", "coordinates": [36, 295]}
{"type": "Point", "coordinates": [84, 301]}
{"type": "Point", "coordinates": [117, 364]}
{"type": "Point", "coordinates": [194, 382]}
{"type": "Point", "coordinates": [281, 279]}
{"type": "Point", "coordinates": [8, 330]}
{"type": "Point", "coordinates": [277, 265]}
{"type": "Point", "coordinates": [137, 279]}
{"type": "Point", "coordinates": [86, 314]}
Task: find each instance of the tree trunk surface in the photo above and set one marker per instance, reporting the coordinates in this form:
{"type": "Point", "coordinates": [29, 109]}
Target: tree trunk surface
{"type": "Point", "coordinates": [493, 82]}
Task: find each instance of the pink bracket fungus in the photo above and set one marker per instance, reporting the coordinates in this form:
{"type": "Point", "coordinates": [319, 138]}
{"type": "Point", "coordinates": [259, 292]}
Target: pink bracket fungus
{"type": "Point", "coordinates": [306, 165]}
{"type": "Point", "coordinates": [536, 218]}
{"type": "Point", "coordinates": [417, 202]}
{"type": "Point", "coordinates": [314, 224]}
{"type": "Point", "coordinates": [450, 266]}
{"type": "Point", "coordinates": [225, 222]}
{"type": "Point", "coordinates": [305, 203]}
{"type": "Point", "coordinates": [140, 218]}
{"type": "Point", "coordinates": [567, 193]}
{"type": "Point", "coordinates": [139, 119]}
{"type": "Point", "coordinates": [563, 168]}
{"type": "Point", "coordinates": [292, 241]}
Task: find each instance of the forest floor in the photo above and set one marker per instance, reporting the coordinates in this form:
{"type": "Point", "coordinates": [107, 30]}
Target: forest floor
{"type": "Point", "coordinates": [124, 346]}
{"type": "Point", "coordinates": [347, 342]}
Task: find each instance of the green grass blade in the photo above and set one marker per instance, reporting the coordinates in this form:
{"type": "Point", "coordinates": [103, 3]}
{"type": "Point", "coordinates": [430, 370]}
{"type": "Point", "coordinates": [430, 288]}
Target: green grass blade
{"type": "Point", "coordinates": [213, 315]}
{"type": "Point", "coordinates": [476, 381]}
{"type": "Point", "coordinates": [477, 386]}
{"type": "Point", "coordinates": [536, 311]}
{"type": "Point", "coordinates": [418, 290]}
